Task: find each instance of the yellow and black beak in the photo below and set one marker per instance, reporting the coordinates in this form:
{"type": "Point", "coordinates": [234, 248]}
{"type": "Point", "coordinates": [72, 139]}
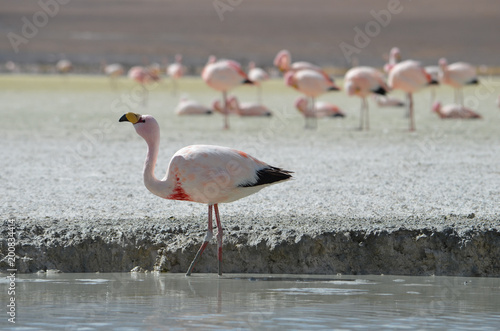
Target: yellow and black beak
{"type": "Point", "coordinates": [130, 117]}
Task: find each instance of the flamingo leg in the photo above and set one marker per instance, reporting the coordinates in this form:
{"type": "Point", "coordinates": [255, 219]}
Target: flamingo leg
{"type": "Point", "coordinates": [174, 86]}
{"type": "Point", "coordinates": [226, 110]}
{"type": "Point", "coordinates": [208, 236]}
{"type": "Point", "coordinates": [412, 115]}
{"type": "Point", "coordinates": [366, 115]}
{"type": "Point", "coordinates": [219, 238]}
{"type": "Point", "coordinates": [313, 114]}
{"type": "Point", "coordinates": [259, 94]}
{"type": "Point", "coordinates": [145, 95]}
{"type": "Point", "coordinates": [361, 114]}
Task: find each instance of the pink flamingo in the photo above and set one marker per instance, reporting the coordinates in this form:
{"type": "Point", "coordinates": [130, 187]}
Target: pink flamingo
{"type": "Point", "coordinates": [175, 71]}
{"type": "Point", "coordinates": [312, 83]}
{"type": "Point", "coordinates": [222, 76]}
{"type": "Point", "coordinates": [361, 82]}
{"type": "Point", "coordinates": [218, 107]}
{"type": "Point", "coordinates": [257, 76]}
{"type": "Point", "coordinates": [454, 111]}
{"type": "Point", "coordinates": [457, 75]}
{"type": "Point", "coordinates": [283, 61]}
{"type": "Point", "coordinates": [143, 76]}
{"type": "Point", "coordinates": [394, 57]}
{"type": "Point", "coordinates": [248, 108]}
{"type": "Point", "coordinates": [388, 101]}
{"type": "Point", "coordinates": [191, 107]}
{"type": "Point", "coordinates": [409, 76]}
{"type": "Point", "coordinates": [113, 71]}
{"type": "Point", "coordinates": [64, 66]}
{"type": "Point", "coordinates": [205, 174]}
{"type": "Point", "coordinates": [323, 109]}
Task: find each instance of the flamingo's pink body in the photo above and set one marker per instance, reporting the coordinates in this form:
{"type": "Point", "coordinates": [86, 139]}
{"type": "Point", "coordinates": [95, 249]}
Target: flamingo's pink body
{"type": "Point", "coordinates": [203, 173]}
{"type": "Point", "coordinates": [176, 70]}
{"type": "Point", "coordinates": [454, 111]}
{"type": "Point", "coordinates": [191, 107]}
{"type": "Point", "coordinates": [361, 82]}
{"type": "Point", "coordinates": [310, 82]}
{"type": "Point", "coordinates": [224, 75]}
{"type": "Point", "coordinates": [142, 75]}
{"type": "Point", "coordinates": [322, 109]}
{"type": "Point", "coordinates": [409, 76]}
{"type": "Point", "coordinates": [256, 74]}
{"type": "Point", "coordinates": [248, 108]}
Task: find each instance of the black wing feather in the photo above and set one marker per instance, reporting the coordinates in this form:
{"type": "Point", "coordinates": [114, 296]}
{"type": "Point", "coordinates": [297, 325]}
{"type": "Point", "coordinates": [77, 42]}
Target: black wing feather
{"type": "Point", "coordinates": [269, 175]}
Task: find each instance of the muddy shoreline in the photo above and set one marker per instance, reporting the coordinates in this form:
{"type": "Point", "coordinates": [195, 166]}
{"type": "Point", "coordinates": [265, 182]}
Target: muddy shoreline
{"type": "Point", "coordinates": [401, 248]}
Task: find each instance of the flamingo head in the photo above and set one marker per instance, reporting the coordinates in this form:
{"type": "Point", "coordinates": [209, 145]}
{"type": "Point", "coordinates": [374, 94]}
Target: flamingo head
{"type": "Point", "coordinates": [351, 88]}
{"type": "Point", "coordinates": [301, 104]}
{"type": "Point", "coordinates": [178, 58]}
{"type": "Point", "coordinates": [282, 60]}
{"type": "Point", "coordinates": [145, 125]}
{"type": "Point", "coordinates": [217, 106]}
{"type": "Point", "coordinates": [443, 63]}
{"type": "Point", "coordinates": [395, 55]}
{"type": "Point", "coordinates": [436, 107]}
{"type": "Point", "coordinates": [290, 79]}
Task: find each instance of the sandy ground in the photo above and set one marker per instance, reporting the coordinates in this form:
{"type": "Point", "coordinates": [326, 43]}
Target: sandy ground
{"type": "Point", "coordinates": [131, 32]}
{"type": "Point", "coordinates": [383, 201]}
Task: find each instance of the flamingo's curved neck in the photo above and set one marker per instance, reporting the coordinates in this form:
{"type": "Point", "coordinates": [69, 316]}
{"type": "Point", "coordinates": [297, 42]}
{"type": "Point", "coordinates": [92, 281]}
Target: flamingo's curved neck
{"type": "Point", "coordinates": [158, 187]}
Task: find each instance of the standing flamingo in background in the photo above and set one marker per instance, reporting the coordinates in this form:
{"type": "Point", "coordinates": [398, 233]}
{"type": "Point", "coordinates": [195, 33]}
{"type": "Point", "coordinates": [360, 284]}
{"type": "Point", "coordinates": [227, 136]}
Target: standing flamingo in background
{"type": "Point", "coordinates": [143, 76]}
{"type": "Point", "coordinates": [191, 107]}
{"type": "Point", "coordinates": [113, 71]}
{"type": "Point", "coordinates": [175, 71]}
{"type": "Point", "coordinates": [457, 75]}
{"type": "Point", "coordinates": [311, 83]}
{"type": "Point", "coordinates": [248, 108]}
{"type": "Point", "coordinates": [222, 76]}
{"type": "Point", "coordinates": [454, 111]}
{"type": "Point", "coordinates": [394, 57]}
{"type": "Point", "coordinates": [361, 82]}
{"type": "Point", "coordinates": [409, 76]}
{"type": "Point", "coordinates": [205, 174]}
{"type": "Point", "coordinates": [257, 76]}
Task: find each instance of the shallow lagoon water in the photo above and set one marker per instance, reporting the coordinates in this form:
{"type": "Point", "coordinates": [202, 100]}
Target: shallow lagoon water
{"type": "Point", "coordinates": [126, 301]}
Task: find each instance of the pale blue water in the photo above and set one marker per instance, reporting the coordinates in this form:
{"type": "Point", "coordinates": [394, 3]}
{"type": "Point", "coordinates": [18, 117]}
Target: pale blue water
{"type": "Point", "coordinates": [245, 302]}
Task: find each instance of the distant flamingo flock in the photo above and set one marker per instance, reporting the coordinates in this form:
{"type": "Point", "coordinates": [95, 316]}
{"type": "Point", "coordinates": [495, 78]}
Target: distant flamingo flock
{"type": "Point", "coordinates": [312, 81]}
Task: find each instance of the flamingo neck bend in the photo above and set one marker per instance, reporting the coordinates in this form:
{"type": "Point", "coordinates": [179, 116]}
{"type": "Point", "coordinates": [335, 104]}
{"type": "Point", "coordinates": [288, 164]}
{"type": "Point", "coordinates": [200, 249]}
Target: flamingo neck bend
{"type": "Point", "coordinates": [151, 135]}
